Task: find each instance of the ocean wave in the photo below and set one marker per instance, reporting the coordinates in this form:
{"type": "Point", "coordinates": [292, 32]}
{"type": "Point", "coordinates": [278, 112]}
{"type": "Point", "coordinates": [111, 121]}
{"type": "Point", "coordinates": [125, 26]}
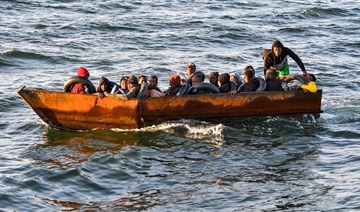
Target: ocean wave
{"type": "Point", "coordinates": [319, 12]}
{"type": "Point", "coordinates": [23, 55]}
{"type": "Point", "coordinates": [281, 160]}
{"type": "Point", "coordinates": [4, 62]}
{"type": "Point", "coordinates": [293, 29]}
{"type": "Point", "coordinates": [353, 44]}
{"type": "Point", "coordinates": [9, 102]}
{"type": "Point", "coordinates": [104, 26]}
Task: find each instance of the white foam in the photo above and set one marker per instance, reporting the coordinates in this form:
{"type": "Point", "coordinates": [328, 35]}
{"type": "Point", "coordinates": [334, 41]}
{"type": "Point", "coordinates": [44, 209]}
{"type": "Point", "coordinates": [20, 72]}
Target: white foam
{"type": "Point", "coordinates": [207, 133]}
{"type": "Point", "coordinates": [197, 130]}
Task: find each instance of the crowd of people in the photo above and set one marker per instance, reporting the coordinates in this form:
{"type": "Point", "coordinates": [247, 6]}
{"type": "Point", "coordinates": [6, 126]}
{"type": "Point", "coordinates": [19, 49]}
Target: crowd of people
{"type": "Point", "coordinates": [276, 73]}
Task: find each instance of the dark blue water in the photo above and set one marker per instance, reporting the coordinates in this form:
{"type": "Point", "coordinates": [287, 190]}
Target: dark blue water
{"type": "Point", "coordinates": [253, 164]}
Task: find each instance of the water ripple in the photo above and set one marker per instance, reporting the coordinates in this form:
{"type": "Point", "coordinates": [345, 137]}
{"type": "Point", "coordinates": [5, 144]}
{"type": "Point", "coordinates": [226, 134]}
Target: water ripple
{"type": "Point", "coordinates": [264, 163]}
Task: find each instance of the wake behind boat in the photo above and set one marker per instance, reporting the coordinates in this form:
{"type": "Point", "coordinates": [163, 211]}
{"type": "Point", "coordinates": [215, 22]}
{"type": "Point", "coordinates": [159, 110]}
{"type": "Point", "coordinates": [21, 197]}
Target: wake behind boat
{"type": "Point", "coordinates": [69, 111]}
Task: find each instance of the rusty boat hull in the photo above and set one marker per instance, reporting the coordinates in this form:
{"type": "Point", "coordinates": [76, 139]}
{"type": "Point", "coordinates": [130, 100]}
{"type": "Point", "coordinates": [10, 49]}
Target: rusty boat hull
{"type": "Point", "coordinates": [84, 112]}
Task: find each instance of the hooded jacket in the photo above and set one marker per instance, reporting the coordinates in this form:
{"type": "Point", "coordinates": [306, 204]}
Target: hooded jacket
{"type": "Point", "coordinates": [225, 85]}
{"type": "Point", "coordinates": [271, 61]}
{"type": "Point", "coordinates": [108, 85]}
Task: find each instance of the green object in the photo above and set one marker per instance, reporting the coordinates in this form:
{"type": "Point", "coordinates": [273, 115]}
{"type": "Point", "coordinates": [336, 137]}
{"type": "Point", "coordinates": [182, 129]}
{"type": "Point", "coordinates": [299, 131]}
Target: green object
{"type": "Point", "coordinates": [284, 71]}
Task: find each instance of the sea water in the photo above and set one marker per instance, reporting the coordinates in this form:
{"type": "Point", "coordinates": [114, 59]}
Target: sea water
{"type": "Point", "coordinates": [250, 164]}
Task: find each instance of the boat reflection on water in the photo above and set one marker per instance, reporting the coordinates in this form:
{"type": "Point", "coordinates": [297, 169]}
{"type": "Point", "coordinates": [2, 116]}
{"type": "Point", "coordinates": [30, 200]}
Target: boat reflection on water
{"type": "Point", "coordinates": [68, 148]}
{"type": "Point", "coordinates": [134, 201]}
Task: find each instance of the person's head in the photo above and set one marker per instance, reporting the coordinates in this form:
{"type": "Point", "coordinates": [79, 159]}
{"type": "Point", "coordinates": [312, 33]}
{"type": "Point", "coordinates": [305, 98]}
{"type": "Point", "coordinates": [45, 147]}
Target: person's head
{"type": "Point", "coordinates": [270, 74]}
{"type": "Point", "coordinates": [141, 79]}
{"type": "Point", "coordinates": [104, 83]}
{"type": "Point", "coordinates": [174, 80]}
{"type": "Point", "coordinates": [277, 48]}
{"type": "Point", "coordinates": [123, 82]}
{"type": "Point", "coordinates": [132, 82]}
{"type": "Point", "coordinates": [213, 77]}
{"type": "Point", "coordinates": [310, 77]}
{"type": "Point", "coordinates": [248, 74]}
{"type": "Point", "coordinates": [223, 79]}
{"type": "Point", "coordinates": [83, 72]}
{"type": "Point", "coordinates": [235, 77]}
{"type": "Point", "coordinates": [153, 81]}
{"type": "Point", "coordinates": [250, 68]}
{"type": "Point", "coordinates": [190, 68]}
{"type": "Point", "coordinates": [196, 79]}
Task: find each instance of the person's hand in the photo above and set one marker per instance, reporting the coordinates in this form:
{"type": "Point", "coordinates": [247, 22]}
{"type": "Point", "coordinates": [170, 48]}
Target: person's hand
{"type": "Point", "coordinates": [232, 93]}
{"type": "Point", "coordinates": [106, 93]}
{"type": "Point", "coordinates": [100, 95]}
{"type": "Point", "coordinates": [304, 73]}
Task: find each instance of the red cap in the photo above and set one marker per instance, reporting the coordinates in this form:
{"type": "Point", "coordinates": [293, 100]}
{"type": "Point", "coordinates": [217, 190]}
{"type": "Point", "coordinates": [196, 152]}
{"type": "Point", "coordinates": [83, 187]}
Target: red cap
{"type": "Point", "coordinates": [82, 72]}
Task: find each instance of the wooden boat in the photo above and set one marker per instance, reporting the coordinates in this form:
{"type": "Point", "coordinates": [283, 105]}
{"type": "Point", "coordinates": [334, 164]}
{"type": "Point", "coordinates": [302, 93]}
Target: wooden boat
{"type": "Point", "coordinates": [84, 112]}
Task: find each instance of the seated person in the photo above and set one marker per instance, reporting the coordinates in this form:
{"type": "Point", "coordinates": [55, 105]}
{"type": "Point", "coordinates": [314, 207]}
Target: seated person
{"type": "Point", "coordinates": [196, 79]}
{"type": "Point", "coordinates": [80, 87]}
{"type": "Point", "coordinates": [311, 85]}
{"type": "Point", "coordinates": [153, 90]}
{"type": "Point", "coordinates": [234, 77]}
{"type": "Point", "coordinates": [272, 82]}
{"type": "Point", "coordinates": [250, 68]}
{"type": "Point", "coordinates": [105, 86]}
{"type": "Point", "coordinates": [190, 70]}
{"type": "Point", "coordinates": [123, 85]}
{"type": "Point", "coordinates": [250, 83]}
{"type": "Point", "coordinates": [307, 83]}
{"type": "Point", "coordinates": [213, 78]}
{"type": "Point", "coordinates": [133, 88]}
{"type": "Point", "coordinates": [175, 85]}
{"type": "Point", "coordinates": [141, 79]}
{"type": "Point", "coordinates": [224, 83]}
{"type": "Point", "coordinates": [310, 77]}
{"type": "Point", "coordinates": [143, 86]}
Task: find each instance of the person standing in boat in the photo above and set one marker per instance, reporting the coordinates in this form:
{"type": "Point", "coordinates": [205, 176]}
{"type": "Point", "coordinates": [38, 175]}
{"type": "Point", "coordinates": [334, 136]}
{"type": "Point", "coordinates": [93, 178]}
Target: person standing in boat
{"type": "Point", "coordinates": [133, 88]}
{"type": "Point", "coordinates": [277, 58]}
{"type": "Point", "coordinates": [153, 90]}
{"type": "Point", "coordinates": [80, 87]}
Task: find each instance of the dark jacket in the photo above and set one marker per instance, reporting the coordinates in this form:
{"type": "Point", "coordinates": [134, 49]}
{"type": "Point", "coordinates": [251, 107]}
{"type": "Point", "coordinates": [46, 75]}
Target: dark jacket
{"type": "Point", "coordinates": [131, 94]}
{"type": "Point", "coordinates": [108, 85]}
{"type": "Point", "coordinates": [250, 86]}
{"type": "Point", "coordinates": [270, 60]}
{"type": "Point", "coordinates": [172, 91]}
{"type": "Point", "coordinates": [274, 85]}
{"type": "Point", "coordinates": [199, 73]}
{"type": "Point", "coordinates": [224, 80]}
